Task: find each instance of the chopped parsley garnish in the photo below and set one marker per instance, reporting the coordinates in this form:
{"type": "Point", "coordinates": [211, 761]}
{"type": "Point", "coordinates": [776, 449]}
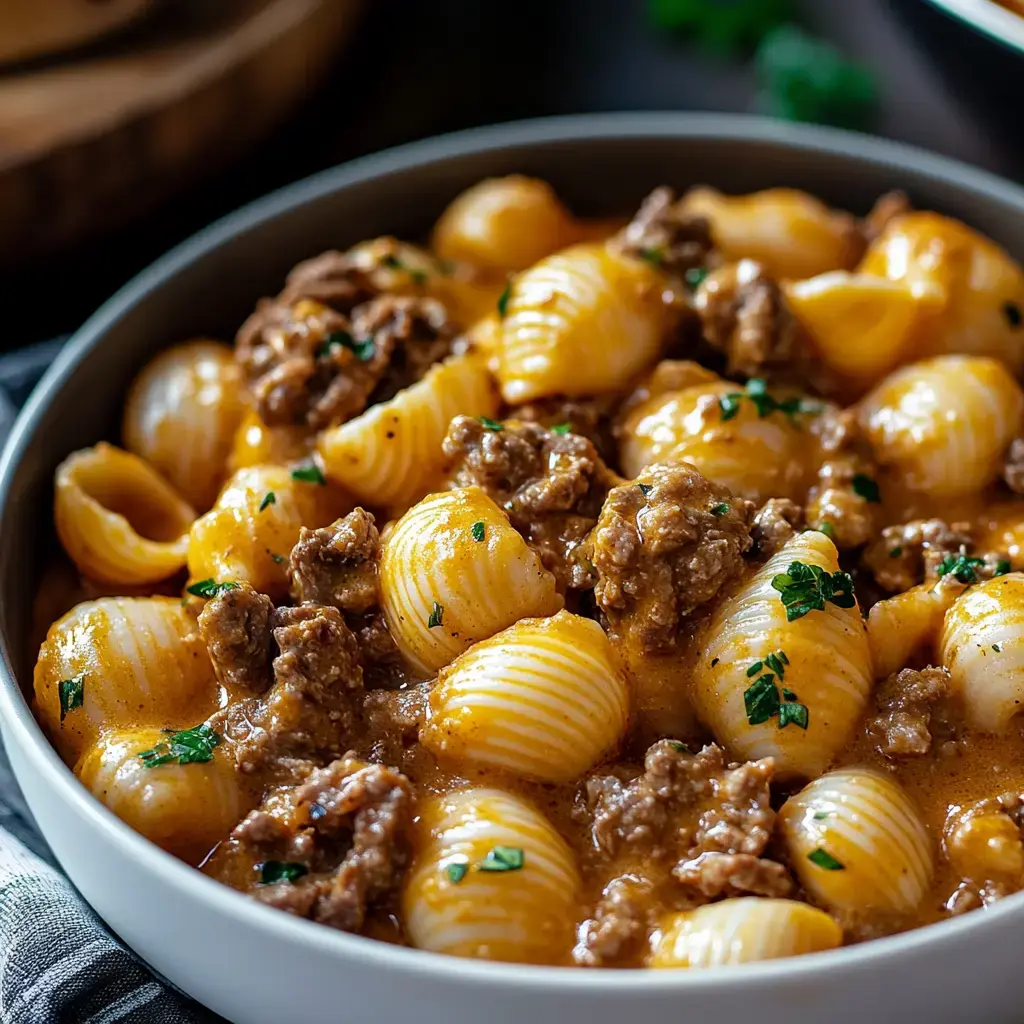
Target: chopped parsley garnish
{"type": "Point", "coordinates": [456, 871]}
{"type": "Point", "coordinates": [793, 714]}
{"type": "Point", "coordinates": [961, 566]}
{"type": "Point", "coordinates": [757, 392]}
{"type": "Point", "coordinates": [489, 424]}
{"type": "Point", "coordinates": [866, 488]}
{"type": "Point", "coordinates": [270, 498]}
{"type": "Point", "coordinates": [804, 588]}
{"type": "Point", "coordinates": [761, 699]}
{"type": "Point", "coordinates": [562, 429]}
{"type": "Point", "coordinates": [755, 668]}
{"type": "Point", "coordinates": [277, 559]}
{"type": "Point", "coordinates": [679, 747]}
{"type": "Point", "coordinates": [720, 509]}
{"type": "Point", "coordinates": [788, 694]}
{"type": "Point", "coordinates": [896, 552]}
{"type": "Point", "coordinates": [192, 746]}
{"type": "Point", "coordinates": [363, 348]}
{"type": "Point", "coordinates": [479, 530]}
{"type": "Point", "coordinates": [310, 474]}
{"type": "Point", "coordinates": [821, 815]}
{"type": "Point", "coordinates": [777, 663]}
{"type": "Point", "coordinates": [503, 858]}
{"type": "Point", "coordinates": [645, 489]}
{"type": "Point", "coordinates": [436, 616]}
{"type": "Point", "coordinates": [828, 529]}
{"type": "Point", "coordinates": [652, 256]}
{"type": "Point", "coordinates": [1002, 567]}
{"type": "Point", "coordinates": [272, 871]}
{"type": "Point", "coordinates": [825, 860]}
{"type": "Point", "coordinates": [694, 277]}
{"type": "Point", "coordinates": [211, 588]}
{"type": "Point", "coordinates": [997, 648]}
{"type": "Point", "coordinates": [392, 261]}
{"type": "Point", "coordinates": [72, 694]}
{"type": "Point", "coordinates": [1013, 314]}
{"type": "Point", "coordinates": [503, 300]}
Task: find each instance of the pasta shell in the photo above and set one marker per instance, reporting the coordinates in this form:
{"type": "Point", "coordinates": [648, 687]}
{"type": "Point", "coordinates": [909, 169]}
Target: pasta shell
{"type": "Point", "coordinates": [581, 322]}
{"type": "Point", "coordinates": [181, 415]}
{"type": "Point", "coordinates": [391, 454]}
{"type": "Point", "coordinates": [828, 667]}
{"type": "Point", "coordinates": [184, 808]}
{"type": "Point", "coordinates": [247, 536]}
{"type": "Point", "coordinates": [944, 424]}
{"type": "Point", "coordinates": [982, 645]}
{"type": "Point", "coordinates": [543, 699]}
{"type": "Point", "coordinates": [453, 571]}
{"type": "Point", "coordinates": [858, 844]}
{"type": "Point", "coordinates": [118, 519]}
{"type": "Point", "coordinates": [755, 457]}
{"type": "Point", "coordinates": [901, 626]}
{"type": "Point", "coordinates": [141, 660]}
{"type": "Point", "coordinates": [256, 444]}
{"type": "Point", "coordinates": [452, 906]}
{"type": "Point", "coordinates": [741, 931]}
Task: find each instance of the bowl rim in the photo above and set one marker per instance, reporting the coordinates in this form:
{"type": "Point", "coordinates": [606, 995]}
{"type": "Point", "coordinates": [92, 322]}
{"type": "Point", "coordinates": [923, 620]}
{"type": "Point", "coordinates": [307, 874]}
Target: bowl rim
{"type": "Point", "coordinates": [988, 18]}
{"type": "Point", "coordinates": [19, 723]}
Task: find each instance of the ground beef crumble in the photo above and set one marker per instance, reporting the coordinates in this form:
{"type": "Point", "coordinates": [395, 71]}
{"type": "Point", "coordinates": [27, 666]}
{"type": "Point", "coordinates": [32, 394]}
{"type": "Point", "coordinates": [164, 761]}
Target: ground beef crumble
{"type": "Point", "coordinates": [337, 565]}
{"type": "Point", "coordinates": [905, 705]}
{"type": "Point", "coordinates": [773, 524]}
{"type": "Point", "coordinates": [664, 235]}
{"type": "Point", "coordinates": [550, 484]}
{"type": "Point", "coordinates": [664, 546]}
{"type": "Point", "coordinates": [346, 826]}
{"type": "Point", "coordinates": [236, 627]}
{"type": "Point", "coordinates": [1013, 467]}
{"type": "Point", "coordinates": [622, 920]}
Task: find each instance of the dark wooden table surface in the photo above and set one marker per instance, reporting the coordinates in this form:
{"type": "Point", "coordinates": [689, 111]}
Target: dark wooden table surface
{"type": "Point", "coordinates": [417, 69]}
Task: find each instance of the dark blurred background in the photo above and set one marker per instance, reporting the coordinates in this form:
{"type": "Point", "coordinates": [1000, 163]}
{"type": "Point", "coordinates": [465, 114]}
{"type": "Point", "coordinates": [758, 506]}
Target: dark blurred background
{"type": "Point", "coordinates": [409, 69]}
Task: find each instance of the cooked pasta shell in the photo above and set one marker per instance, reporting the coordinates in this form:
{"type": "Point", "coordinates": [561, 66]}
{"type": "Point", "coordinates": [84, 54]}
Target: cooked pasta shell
{"type": "Point", "coordinates": [944, 424]}
{"type": "Point", "coordinates": [141, 662]}
{"type": "Point", "coordinates": [755, 457]}
{"type": "Point", "coordinates": [974, 290]}
{"type": "Point", "coordinates": [828, 668]}
{"type": "Point", "coordinates": [250, 531]}
{"type": "Point", "coordinates": [544, 699]}
{"type": "Point", "coordinates": [185, 808]}
{"type": "Point", "coordinates": [790, 233]}
{"type": "Point", "coordinates": [858, 844]}
{"type": "Point", "coordinates": [503, 224]}
{"type": "Point", "coordinates": [581, 322]}
{"type": "Point", "coordinates": [982, 645]}
{"type": "Point", "coordinates": [181, 414]}
{"type": "Point", "coordinates": [453, 571]}
{"type": "Point", "coordinates": [391, 454]}
{"type": "Point", "coordinates": [741, 931]}
{"type": "Point", "coordinates": [256, 444]}
{"type": "Point", "coordinates": [118, 519]}
{"type": "Point", "coordinates": [903, 625]}
{"type": "Point", "coordinates": [454, 904]}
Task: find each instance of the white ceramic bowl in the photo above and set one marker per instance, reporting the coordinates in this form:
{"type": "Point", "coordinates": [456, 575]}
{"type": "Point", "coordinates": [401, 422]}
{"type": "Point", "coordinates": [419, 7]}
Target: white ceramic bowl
{"type": "Point", "coordinates": [259, 966]}
{"type": "Point", "coordinates": [991, 19]}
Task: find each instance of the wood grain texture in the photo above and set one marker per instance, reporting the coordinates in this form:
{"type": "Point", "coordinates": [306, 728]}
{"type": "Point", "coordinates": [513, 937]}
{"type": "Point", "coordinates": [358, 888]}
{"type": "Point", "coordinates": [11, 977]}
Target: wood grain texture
{"type": "Point", "coordinates": [89, 145]}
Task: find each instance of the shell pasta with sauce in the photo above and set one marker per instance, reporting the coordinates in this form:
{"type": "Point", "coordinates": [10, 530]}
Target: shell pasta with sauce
{"type": "Point", "coordinates": [641, 593]}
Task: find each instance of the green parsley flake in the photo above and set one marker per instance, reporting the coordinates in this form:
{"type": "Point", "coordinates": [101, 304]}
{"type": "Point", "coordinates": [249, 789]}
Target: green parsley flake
{"type": "Point", "coordinates": [755, 668]}
{"type": "Point", "coordinates": [896, 552]}
{"type": "Point", "coordinates": [788, 694]}
{"type": "Point", "coordinates": [270, 498]}
{"type": "Point", "coordinates": [866, 488]}
{"type": "Point", "coordinates": [363, 348]}
{"type": "Point", "coordinates": [562, 429]}
{"type": "Point", "coordinates": [757, 393]}
{"type": "Point", "coordinates": [72, 694]}
{"type": "Point", "coordinates": [503, 300]}
{"type": "Point", "coordinates": [310, 474]}
{"type": "Point", "coordinates": [645, 489]}
{"type": "Point", "coordinates": [776, 664]}
{"type": "Point", "coordinates": [761, 700]}
{"type": "Point", "coordinates": [277, 559]}
{"type": "Point", "coordinates": [394, 263]}
{"type": "Point", "coordinates": [211, 588]}
{"type": "Point", "coordinates": [503, 858]}
{"type": "Point", "coordinates": [821, 815]}
{"type": "Point", "coordinates": [962, 567]}
{"type": "Point", "coordinates": [825, 860]}
{"type": "Point", "coordinates": [694, 277]}
{"type": "Point", "coordinates": [489, 424]}
{"type": "Point", "coordinates": [192, 746]}
{"type": "Point", "coordinates": [1013, 314]}
{"type": "Point", "coordinates": [720, 509]}
{"type": "Point", "coordinates": [679, 747]}
{"type": "Point", "coordinates": [272, 871]}
{"type": "Point", "coordinates": [436, 616]}
{"type": "Point", "coordinates": [652, 256]}
{"type": "Point", "coordinates": [997, 648]}
{"type": "Point", "coordinates": [804, 588]}
{"type": "Point", "coordinates": [479, 531]}
{"type": "Point", "coordinates": [456, 871]}
{"type": "Point", "coordinates": [793, 714]}
{"type": "Point", "coordinates": [828, 529]}
{"type": "Point", "coordinates": [1002, 567]}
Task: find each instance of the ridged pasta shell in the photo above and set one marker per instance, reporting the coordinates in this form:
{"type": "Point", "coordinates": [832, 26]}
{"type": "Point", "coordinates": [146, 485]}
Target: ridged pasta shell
{"type": "Point", "coordinates": [864, 822]}
{"type": "Point", "coordinates": [906, 623]}
{"type": "Point", "coordinates": [142, 661]}
{"type": "Point", "coordinates": [944, 424]}
{"type": "Point", "coordinates": [525, 915]}
{"type": "Point", "coordinates": [741, 931]}
{"type": "Point", "coordinates": [185, 808]}
{"type": "Point", "coordinates": [581, 322]}
{"type": "Point", "coordinates": [390, 455]}
{"type": "Point", "coordinates": [247, 537]}
{"type": "Point", "coordinates": [181, 414]}
{"type": "Point", "coordinates": [256, 444]}
{"type": "Point", "coordinates": [544, 699]}
{"type": "Point", "coordinates": [431, 557]}
{"type": "Point", "coordinates": [829, 666]}
{"type": "Point", "coordinates": [755, 457]}
{"type": "Point", "coordinates": [118, 519]}
{"type": "Point", "coordinates": [982, 645]}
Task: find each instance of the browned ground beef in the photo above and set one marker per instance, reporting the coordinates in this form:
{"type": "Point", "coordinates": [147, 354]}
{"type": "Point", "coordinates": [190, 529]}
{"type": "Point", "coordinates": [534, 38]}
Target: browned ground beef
{"type": "Point", "coordinates": [664, 546]}
{"type": "Point", "coordinates": [720, 875]}
{"type": "Point", "coordinates": [664, 235]}
{"type": "Point", "coordinates": [1013, 467]}
{"type": "Point", "coordinates": [236, 626]}
{"type": "Point", "coordinates": [337, 565]}
{"type": "Point", "coordinates": [909, 553]}
{"type": "Point", "coordinates": [550, 484]}
{"type": "Point", "coordinates": [334, 279]}
{"type": "Point", "coordinates": [590, 418]}
{"type": "Point", "coordinates": [346, 825]}
{"type": "Point", "coordinates": [905, 704]}
{"type": "Point", "coordinates": [622, 920]}
{"type": "Point", "coordinates": [773, 524]}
